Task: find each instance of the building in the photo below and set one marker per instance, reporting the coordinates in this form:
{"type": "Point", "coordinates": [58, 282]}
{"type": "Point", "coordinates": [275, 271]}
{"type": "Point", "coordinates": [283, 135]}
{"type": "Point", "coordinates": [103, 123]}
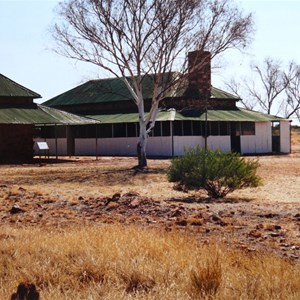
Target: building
{"type": "Point", "coordinates": [21, 121]}
{"type": "Point", "coordinates": [194, 113]}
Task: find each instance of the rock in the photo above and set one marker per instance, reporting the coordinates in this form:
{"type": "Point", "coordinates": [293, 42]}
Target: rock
{"type": "Point", "coordinates": [135, 203]}
{"type": "Point", "coordinates": [217, 220]}
{"type": "Point", "coordinates": [116, 197]}
{"type": "Point", "coordinates": [26, 291]}
{"type": "Point", "coordinates": [275, 234]}
{"type": "Point", "coordinates": [176, 213]}
{"type": "Point", "coordinates": [181, 222]}
{"type": "Point", "coordinates": [16, 210]}
{"type": "Point", "coordinates": [195, 222]}
{"type": "Point", "coordinates": [273, 227]}
{"type": "Point", "coordinates": [131, 194]}
{"type": "Point", "coordinates": [260, 226]}
{"type": "Point", "coordinates": [112, 205]}
{"type": "Point", "coordinates": [255, 234]}
{"type": "Point", "coordinates": [107, 201]}
{"type": "Point", "coordinates": [268, 216]}
{"type": "Point", "coordinates": [180, 188]}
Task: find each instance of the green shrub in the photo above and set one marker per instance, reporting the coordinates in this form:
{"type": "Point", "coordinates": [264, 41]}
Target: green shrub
{"type": "Point", "coordinates": [217, 172]}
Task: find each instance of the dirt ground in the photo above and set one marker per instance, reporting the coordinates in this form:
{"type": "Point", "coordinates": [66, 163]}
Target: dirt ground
{"type": "Point", "coordinates": [88, 191]}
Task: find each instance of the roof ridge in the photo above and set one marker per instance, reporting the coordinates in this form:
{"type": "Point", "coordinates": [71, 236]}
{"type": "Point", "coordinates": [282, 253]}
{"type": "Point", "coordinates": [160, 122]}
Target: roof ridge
{"type": "Point", "coordinates": [120, 78]}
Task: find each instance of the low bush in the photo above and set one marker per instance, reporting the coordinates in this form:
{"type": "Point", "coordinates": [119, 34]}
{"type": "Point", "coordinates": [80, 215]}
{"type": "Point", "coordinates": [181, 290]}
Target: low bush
{"type": "Point", "coordinates": [217, 172]}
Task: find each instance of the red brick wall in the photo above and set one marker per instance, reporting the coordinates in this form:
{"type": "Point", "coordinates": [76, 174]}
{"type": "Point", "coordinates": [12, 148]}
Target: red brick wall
{"type": "Point", "coordinates": [199, 73]}
{"type": "Point", "coordinates": [16, 143]}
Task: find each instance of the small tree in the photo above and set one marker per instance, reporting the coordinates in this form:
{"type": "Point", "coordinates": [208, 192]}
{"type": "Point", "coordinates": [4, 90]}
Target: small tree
{"type": "Point", "coordinates": [217, 172]}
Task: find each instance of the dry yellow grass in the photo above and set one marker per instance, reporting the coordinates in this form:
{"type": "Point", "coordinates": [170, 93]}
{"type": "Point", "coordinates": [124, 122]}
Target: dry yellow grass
{"type": "Point", "coordinates": [117, 262]}
{"type": "Point", "coordinates": [64, 244]}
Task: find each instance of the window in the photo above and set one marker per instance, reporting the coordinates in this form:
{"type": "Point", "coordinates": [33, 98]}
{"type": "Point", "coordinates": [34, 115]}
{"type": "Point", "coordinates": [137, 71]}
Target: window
{"type": "Point", "coordinates": [248, 128]}
{"type": "Point", "coordinates": [84, 131]}
{"type": "Point", "coordinates": [238, 129]}
{"type": "Point", "coordinates": [187, 128]}
{"type": "Point", "coordinates": [105, 131]}
{"type": "Point", "coordinates": [177, 128]}
{"type": "Point", "coordinates": [79, 132]}
{"type": "Point", "coordinates": [157, 129]}
{"type": "Point", "coordinates": [214, 128]}
{"type": "Point", "coordinates": [196, 127]}
{"type": "Point", "coordinates": [224, 128]}
{"type": "Point", "coordinates": [131, 130]}
{"type": "Point", "coordinates": [52, 132]}
{"type": "Point", "coordinates": [37, 132]}
{"type": "Point", "coordinates": [165, 128]}
{"type": "Point", "coordinates": [119, 130]}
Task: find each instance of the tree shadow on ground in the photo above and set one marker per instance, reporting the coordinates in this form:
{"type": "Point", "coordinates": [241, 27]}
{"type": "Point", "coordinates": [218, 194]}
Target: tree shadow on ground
{"type": "Point", "coordinates": [208, 200]}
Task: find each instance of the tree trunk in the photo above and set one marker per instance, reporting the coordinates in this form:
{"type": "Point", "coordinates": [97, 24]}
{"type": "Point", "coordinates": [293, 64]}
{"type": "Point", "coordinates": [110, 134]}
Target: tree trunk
{"type": "Point", "coordinates": [141, 154]}
{"type": "Point", "coordinates": [143, 135]}
{"type": "Point", "coordinates": [141, 151]}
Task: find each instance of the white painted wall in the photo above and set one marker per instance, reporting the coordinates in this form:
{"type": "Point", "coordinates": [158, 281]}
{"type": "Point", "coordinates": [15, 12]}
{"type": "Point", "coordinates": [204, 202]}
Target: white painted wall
{"type": "Point", "coordinates": [117, 146]}
{"type": "Point", "coordinates": [162, 146]}
{"type": "Point", "coordinates": [185, 142]}
{"type": "Point", "coordinates": [285, 137]}
{"type": "Point", "coordinates": [213, 142]}
{"type": "Point", "coordinates": [159, 146]}
{"type": "Point", "coordinates": [261, 142]}
{"type": "Point", "coordinates": [85, 146]}
{"type": "Point", "coordinates": [221, 143]}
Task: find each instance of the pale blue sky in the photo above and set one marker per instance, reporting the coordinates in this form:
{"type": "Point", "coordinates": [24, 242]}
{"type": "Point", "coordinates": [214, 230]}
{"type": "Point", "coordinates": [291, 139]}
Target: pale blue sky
{"type": "Point", "coordinates": [25, 44]}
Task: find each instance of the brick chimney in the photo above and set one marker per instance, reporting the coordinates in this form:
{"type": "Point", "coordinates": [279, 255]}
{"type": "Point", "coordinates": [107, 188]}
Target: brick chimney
{"type": "Point", "coordinates": [199, 68]}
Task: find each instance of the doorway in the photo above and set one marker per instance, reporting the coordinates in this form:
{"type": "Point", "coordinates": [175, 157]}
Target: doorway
{"type": "Point", "coordinates": [235, 136]}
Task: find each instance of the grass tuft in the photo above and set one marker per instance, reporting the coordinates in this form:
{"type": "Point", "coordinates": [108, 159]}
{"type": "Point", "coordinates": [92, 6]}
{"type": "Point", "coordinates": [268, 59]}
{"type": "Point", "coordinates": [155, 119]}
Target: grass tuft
{"type": "Point", "coordinates": [206, 278]}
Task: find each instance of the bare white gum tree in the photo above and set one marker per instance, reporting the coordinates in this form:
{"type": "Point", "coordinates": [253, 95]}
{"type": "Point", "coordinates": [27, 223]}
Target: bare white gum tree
{"type": "Point", "coordinates": [274, 90]}
{"type": "Point", "coordinates": [134, 39]}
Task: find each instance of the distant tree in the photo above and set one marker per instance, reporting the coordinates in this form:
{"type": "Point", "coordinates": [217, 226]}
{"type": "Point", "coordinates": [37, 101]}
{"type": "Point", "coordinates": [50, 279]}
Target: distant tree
{"type": "Point", "coordinates": [273, 89]}
{"type": "Point", "coordinates": [291, 107]}
{"type": "Point", "coordinates": [132, 39]}
{"type": "Point", "coordinates": [237, 88]}
{"type": "Point", "coordinates": [273, 81]}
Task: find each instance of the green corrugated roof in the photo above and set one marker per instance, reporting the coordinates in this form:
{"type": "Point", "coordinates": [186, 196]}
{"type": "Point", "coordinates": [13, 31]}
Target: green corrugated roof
{"type": "Point", "coordinates": [220, 94]}
{"type": "Point", "coordinates": [9, 88]}
{"type": "Point", "coordinates": [238, 115]}
{"type": "Point", "coordinates": [114, 89]}
{"type": "Point", "coordinates": [132, 117]}
{"type": "Point", "coordinates": [40, 115]}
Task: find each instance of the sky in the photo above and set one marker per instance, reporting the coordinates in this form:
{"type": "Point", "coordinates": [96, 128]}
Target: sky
{"type": "Point", "coordinates": [26, 44]}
